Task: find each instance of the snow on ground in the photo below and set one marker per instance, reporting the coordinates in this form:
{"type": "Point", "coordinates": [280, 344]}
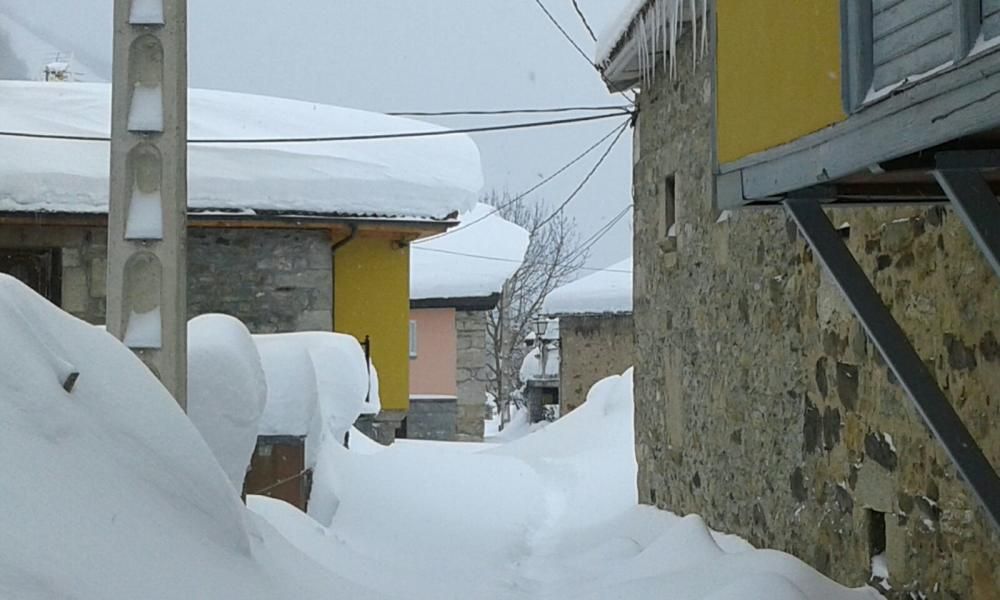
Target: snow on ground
{"type": "Point", "coordinates": [607, 291]}
{"type": "Point", "coordinates": [552, 515]}
{"type": "Point", "coordinates": [441, 268]}
{"type": "Point", "coordinates": [226, 390]}
{"type": "Point", "coordinates": [112, 494]}
{"type": "Point", "coordinates": [425, 177]}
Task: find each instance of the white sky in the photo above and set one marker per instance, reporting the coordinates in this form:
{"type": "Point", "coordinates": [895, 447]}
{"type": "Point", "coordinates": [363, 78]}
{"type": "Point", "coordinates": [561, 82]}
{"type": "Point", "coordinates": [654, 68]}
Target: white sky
{"type": "Point", "coordinates": [391, 55]}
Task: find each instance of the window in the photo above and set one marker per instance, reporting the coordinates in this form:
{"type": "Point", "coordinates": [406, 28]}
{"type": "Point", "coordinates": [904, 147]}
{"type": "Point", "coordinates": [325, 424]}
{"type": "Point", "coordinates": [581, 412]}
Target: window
{"type": "Point", "coordinates": [41, 270]}
{"type": "Point", "coordinates": [413, 339]}
{"type": "Point", "coordinates": [668, 215]}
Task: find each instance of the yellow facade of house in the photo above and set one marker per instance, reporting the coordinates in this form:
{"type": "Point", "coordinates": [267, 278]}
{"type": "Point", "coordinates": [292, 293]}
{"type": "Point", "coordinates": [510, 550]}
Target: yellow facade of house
{"type": "Point", "coordinates": [779, 73]}
{"type": "Point", "coordinates": [372, 299]}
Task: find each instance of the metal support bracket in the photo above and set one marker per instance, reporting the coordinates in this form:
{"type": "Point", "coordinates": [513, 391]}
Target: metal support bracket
{"type": "Point", "coordinates": [935, 409]}
{"type": "Point", "coordinates": [959, 175]}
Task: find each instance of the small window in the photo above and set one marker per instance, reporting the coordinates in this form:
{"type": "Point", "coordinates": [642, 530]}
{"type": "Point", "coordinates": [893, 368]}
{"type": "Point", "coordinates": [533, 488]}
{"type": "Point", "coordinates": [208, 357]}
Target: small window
{"type": "Point", "coordinates": [668, 215]}
{"type": "Point", "coordinates": [413, 339]}
{"type": "Point", "coordinates": [41, 270]}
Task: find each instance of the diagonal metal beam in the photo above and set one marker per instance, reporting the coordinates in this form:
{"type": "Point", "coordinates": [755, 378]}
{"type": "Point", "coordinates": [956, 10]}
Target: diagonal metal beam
{"type": "Point", "coordinates": [935, 409]}
{"type": "Point", "coordinates": [974, 202]}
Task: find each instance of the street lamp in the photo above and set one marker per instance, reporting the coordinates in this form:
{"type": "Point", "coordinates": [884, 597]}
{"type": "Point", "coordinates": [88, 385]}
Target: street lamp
{"type": "Point", "coordinates": [541, 325]}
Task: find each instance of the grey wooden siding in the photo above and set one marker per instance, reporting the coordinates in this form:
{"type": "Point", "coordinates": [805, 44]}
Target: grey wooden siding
{"type": "Point", "coordinates": [911, 37]}
{"type": "Point", "coordinates": [991, 18]}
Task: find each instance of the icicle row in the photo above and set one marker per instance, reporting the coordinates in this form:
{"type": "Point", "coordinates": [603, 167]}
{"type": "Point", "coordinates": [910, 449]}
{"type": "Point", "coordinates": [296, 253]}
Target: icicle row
{"type": "Point", "coordinates": [658, 29]}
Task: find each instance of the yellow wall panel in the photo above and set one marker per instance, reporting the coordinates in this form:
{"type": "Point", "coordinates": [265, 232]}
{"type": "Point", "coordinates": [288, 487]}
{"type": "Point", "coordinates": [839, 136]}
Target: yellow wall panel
{"type": "Point", "coordinates": [372, 297]}
{"type": "Point", "coordinates": [778, 72]}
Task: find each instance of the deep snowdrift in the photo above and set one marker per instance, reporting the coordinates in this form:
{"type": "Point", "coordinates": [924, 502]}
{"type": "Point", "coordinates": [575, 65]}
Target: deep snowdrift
{"type": "Point", "coordinates": [424, 177]}
{"type": "Point", "coordinates": [109, 492]}
{"type": "Point", "coordinates": [552, 515]}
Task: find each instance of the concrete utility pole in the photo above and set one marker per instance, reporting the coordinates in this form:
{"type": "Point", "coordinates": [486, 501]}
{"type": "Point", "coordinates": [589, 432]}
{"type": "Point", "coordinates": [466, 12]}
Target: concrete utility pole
{"type": "Point", "coordinates": [147, 217]}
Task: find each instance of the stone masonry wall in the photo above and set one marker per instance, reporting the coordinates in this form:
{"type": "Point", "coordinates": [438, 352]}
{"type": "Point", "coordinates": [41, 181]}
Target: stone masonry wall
{"type": "Point", "coordinates": [759, 401]}
{"type": "Point", "coordinates": [470, 327]}
{"type": "Point", "coordinates": [272, 280]}
{"type": "Point", "coordinates": [592, 347]}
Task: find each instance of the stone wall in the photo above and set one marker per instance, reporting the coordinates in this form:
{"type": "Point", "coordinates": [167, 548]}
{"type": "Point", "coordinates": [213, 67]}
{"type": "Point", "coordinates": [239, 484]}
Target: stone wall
{"type": "Point", "coordinates": [592, 347]}
{"type": "Point", "coordinates": [470, 327]}
{"type": "Point", "coordinates": [431, 418]}
{"type": "Point", "coordinates": [273, 280]}
{"type": "Point", "coordinates": [759, 401]}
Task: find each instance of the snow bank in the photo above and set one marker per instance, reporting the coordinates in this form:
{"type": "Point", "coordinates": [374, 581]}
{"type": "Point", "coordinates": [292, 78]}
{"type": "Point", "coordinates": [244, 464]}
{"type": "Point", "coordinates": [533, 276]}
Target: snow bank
{"type": "Point", "coordinates": [429, 177]}
{"type": "Point", "coordinates": [602, 292]}
{"type": "Point", "coordinates": [113, 494]}
{"type": "Point", "coordinates": [440, 269]}
{"type": "Point", "coordinates": [226, 390]}
{"type": "Point", "coordinates": [317, 385]}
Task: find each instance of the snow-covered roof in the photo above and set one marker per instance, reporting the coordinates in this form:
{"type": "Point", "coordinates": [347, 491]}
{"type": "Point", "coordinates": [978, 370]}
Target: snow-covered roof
{"type": "Point", "coordinates": [426, 177]}
{"type": "Point", "coordinates": [602, 292]}
{"type": "Point", "coordinates": [440, 267]}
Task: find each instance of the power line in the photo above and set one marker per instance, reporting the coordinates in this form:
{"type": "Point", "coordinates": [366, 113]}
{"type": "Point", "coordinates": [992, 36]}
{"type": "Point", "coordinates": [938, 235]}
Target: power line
{"type": "Point", "coordinates": [510, 111]}
{"type": "Point", "coordinates": [584, 19]}
{"type": "Point", "coordinates": [510, 260]}
{"type": "Point", "coordinates": [586, 179]}
{"type": "Point", "coordinates": [343, 138]}
{"type": "Point", "coordinates": [579, 50]}
{"type": "Point", "coordinates": [599, 234]}
{"type": "Point", "coordinates": [527, 192]}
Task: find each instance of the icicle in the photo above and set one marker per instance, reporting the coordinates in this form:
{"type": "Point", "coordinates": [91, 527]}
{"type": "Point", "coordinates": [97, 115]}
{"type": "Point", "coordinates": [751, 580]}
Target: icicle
{"type": "Point", "coordinates": [704, 28]}
{"type": "Point", "coordinates": [694, 35]}
{"type": "Point", "coordinates": [674, 24]}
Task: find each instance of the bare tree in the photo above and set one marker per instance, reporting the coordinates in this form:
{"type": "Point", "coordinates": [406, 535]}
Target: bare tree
{"type": "Point", "coordinates": [553, 256]}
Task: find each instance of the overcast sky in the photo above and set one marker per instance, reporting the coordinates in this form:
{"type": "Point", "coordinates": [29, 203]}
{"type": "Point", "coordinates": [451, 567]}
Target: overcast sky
{"type": "Point", "coordinates": [396, 55]}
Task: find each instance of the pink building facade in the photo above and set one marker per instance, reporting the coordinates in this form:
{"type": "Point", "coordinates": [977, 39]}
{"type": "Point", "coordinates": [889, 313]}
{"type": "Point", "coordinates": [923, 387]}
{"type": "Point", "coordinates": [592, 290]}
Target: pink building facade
{"type": "Point", "coordinates": [433, 353]}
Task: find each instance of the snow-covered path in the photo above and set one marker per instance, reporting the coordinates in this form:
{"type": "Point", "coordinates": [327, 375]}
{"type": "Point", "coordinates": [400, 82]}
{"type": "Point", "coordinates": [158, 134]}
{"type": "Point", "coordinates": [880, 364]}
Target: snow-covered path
{"type": "Point", "coordinates": [549, 516]}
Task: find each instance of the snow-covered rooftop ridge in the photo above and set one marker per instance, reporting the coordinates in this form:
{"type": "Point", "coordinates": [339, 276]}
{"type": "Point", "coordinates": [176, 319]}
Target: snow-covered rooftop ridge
{"type": "Point", "coordinates": [603, 292]}
{"type": "Point", "coordinates": [656, 25]}
{"type": "Point", "coordinates": [441, 267]}
{"type": "Point", "coordinates": [425, 177]}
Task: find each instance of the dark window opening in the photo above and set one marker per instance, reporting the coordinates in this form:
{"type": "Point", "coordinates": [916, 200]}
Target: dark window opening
{"type": "Point", "coordinates": [39, 269]}
{"type": "Point", "coordinates": [668, 215]}
{"type": "Point", "coordinates": [876, 533]}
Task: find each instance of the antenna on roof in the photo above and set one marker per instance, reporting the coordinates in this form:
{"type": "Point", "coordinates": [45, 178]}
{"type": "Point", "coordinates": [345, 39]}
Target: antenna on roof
{"type": "Point", "coordinates": [58, 69]}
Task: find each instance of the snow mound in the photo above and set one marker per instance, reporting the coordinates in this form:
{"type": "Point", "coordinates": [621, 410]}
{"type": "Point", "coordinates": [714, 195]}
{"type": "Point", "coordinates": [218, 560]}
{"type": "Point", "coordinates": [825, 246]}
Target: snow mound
{"type": "Point", "coordinates": [113, 494]}
{"type": "Point", "coordinates": [440, 267]}
{"type": "Point", "coordinates": [423, 177]}
{"type": "Point", "coordinates": [226, 390]}
{"type": "Point", "coordinates": [317, 386]}
{"type": "Point", "coordinates": [602, 292]}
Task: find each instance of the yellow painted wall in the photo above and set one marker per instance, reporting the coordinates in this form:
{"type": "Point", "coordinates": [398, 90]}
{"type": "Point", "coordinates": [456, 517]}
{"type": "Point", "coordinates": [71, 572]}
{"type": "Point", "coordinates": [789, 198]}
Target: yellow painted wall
{"type": "Point", "coordinates": [372, 297]}
{"type": "Point", "coordinates": [778, 72]}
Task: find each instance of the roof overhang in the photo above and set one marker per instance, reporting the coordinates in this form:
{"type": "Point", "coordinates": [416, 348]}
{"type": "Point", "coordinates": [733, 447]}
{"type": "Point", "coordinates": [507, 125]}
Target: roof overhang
{"type": "Point", "coordinates": [409, 229]}
{"type": "Point", "coordinates": [470, 303]}
{"type": "Point", "coordinates": [623, 67]}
